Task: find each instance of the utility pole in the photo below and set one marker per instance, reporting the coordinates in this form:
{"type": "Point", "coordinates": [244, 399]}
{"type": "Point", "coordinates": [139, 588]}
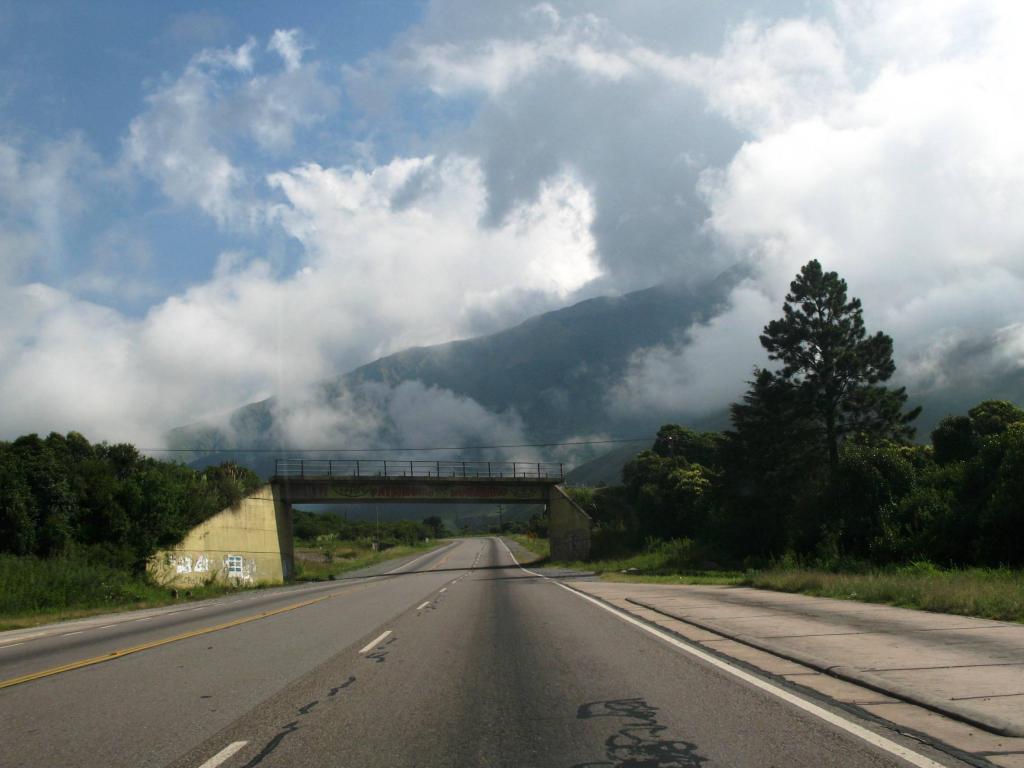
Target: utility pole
{"type": "Point", "coordinates": [377, 509]}
{"type": "Point", "coordinates": [501, 509]}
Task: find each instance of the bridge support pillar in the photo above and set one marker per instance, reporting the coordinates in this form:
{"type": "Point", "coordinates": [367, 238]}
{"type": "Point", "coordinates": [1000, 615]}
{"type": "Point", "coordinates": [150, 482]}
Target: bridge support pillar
{"type": "Point", "coordinates": [568, 527]}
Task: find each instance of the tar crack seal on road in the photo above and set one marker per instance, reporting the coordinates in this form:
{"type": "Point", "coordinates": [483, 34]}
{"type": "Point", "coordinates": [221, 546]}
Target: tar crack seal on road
{"type": "Point", "coordinates": [640, 741]}
{"type": "Point", "coordinates": [293, 726]}
{"type": "Point", "coordinates": [380, 655]}
{"type": "Point", "coordinates": [334, 691]}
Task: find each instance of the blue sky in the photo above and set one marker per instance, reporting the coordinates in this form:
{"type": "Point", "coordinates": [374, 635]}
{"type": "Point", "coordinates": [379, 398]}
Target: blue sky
{"type": "Point", "coordinates": [204, 205]}
{"type": "Point", "coordinates": [85, 70]}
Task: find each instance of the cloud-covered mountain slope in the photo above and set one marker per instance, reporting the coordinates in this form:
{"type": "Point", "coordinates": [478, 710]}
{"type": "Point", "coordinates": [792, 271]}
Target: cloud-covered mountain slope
{"type": "Point", "coordinates": [546, 379]}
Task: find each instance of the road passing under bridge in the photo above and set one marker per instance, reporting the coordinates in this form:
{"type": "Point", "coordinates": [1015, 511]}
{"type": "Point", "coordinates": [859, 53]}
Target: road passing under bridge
{"type": "Point", "coordinates": [332, 481]}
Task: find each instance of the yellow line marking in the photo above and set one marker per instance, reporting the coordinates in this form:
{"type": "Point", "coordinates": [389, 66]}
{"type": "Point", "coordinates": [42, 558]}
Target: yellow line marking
{"type": "Point", "coordinates": [157, 643]}
{"type": "Point", "coordinates": [442, 561]}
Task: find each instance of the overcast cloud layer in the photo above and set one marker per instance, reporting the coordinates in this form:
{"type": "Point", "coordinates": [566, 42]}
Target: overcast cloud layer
{"type": "Point", "coordinates": [514, 160]}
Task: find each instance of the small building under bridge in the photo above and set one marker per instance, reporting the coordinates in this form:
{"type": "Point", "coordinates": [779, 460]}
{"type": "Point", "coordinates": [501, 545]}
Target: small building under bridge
{"type": "Point", "coordinates": [252, 542]}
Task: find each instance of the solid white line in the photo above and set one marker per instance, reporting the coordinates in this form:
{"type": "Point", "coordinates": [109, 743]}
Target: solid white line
{"type": "Point", "coordinates": [11, 645]}
{"type": "Point", "coordinates": [914, 758]}
{"type": "Point", "coordinates": [107, 626]}
{"type": "Point", "coordinates": [224, 754]}
{"type": "Point", "coordinates": [424, 605]}
{"type": "Point", "coordinates": [69, 634]}
{"type": "Point", "coordinates": [373, 643]}
{"type": "Point", "coordinates": [443, 589]}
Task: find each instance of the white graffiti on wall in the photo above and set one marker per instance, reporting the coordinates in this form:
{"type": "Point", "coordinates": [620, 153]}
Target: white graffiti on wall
{"type": "Point", "coordinates": [238, 567]}
{"type": "Point", "coordinates": [235, 566]}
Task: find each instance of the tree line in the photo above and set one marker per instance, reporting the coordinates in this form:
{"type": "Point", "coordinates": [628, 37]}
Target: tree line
{"type": "Point", "coordinates": [819, 462]}
{"type": "Point", "coordinates": [61, 495]}
{"type": "Point", "coordinates": [308, 527]}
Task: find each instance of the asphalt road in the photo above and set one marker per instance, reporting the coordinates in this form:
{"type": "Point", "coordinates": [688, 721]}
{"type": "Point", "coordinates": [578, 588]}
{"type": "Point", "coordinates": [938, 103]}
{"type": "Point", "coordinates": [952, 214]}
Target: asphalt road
{"type": "Point", "coordinates": [458, 658]}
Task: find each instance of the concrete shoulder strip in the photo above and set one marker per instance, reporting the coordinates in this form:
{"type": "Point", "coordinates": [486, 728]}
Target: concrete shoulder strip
{"type": "Point", "coordinates": [964, 714]}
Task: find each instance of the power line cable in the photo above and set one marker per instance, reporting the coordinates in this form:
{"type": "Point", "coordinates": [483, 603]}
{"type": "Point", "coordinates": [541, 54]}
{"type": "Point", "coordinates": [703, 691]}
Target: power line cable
{"type": "Point", "coordinates": [386, 450]}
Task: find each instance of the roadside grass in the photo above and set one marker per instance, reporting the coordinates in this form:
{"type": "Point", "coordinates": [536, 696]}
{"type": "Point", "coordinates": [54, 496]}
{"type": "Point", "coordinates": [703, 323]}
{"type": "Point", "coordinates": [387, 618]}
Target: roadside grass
{"type": "Point", "coordinates": [667, 563]}
{"type": "Point", "coordinates": [988, 593]}
{"type": "Point", "coordinates": [539, 547]}
{"type": "Point", "coordinates": [654, 567]}
{"type": "Point", "coordinates": [339, 557]}
{"type": "Point", "coordinates": [36, 591]}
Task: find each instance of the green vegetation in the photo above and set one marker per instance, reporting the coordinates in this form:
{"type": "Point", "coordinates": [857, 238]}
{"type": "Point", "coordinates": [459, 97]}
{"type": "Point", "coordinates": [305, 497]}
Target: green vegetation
{"type": "Point", "coordinates": [990, 593]}
{"type": "Point", "coordinates": [330, 559]}
{"type": "Point", "coordinates": [679, 561]}
{"type": "Point", "coordinates": [41, 590]}
{"type": "Point", "coordinates": [104, 504]}
{"type": "Point", "coordinates": [817, 487]}
{"type": "Point", "coordinates": [327, 546]}
{"type": "Point", "coordinates": [310, 529]}
{"type": "Point", "coordinates": [536, 545]}
{"type": "Point", "coordinates": [818, 468]}
{"type": "Point", "coordinates": [79, 521]}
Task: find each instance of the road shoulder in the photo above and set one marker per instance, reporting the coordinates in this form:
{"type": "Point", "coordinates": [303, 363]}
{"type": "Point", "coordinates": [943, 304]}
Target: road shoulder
{"type": "Point", "coordinates": [809, 643]}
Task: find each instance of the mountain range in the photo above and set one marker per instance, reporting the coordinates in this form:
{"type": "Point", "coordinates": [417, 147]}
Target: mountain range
{"type": "Point", "coordinates": [548, 379]}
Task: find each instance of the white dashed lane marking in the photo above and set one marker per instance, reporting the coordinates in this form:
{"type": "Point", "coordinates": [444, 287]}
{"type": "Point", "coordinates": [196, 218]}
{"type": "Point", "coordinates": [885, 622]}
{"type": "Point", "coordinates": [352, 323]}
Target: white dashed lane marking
{"type": "Point", "coordinates": [224, 754]}
{"type": "Point", "coordinates": [375, 642]}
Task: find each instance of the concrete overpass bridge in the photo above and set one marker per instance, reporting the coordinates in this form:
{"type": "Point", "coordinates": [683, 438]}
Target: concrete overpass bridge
{"type": "Point", "coordinates": [253, 541]}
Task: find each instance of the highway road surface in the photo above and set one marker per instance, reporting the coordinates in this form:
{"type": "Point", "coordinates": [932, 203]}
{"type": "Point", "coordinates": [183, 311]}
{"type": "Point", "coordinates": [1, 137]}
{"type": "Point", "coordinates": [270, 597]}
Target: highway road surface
{"type": "Point", "coordinates": [457, 658]}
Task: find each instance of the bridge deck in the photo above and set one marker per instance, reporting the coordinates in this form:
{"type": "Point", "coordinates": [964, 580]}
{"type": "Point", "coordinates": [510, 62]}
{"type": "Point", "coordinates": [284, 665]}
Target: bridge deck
{"type": "Point", "coordinates": [311, 469]}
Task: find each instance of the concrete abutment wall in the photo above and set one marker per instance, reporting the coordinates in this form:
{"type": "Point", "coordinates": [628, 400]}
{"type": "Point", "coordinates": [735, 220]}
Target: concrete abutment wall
{"type": "Point", "coordinates": [568, 527]}
{"type": "Point", "coordinates": [247, 544]}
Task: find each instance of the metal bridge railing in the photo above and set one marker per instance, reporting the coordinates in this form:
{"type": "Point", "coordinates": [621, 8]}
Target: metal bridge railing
{"type": "Point", "coordinates": [315, 468]}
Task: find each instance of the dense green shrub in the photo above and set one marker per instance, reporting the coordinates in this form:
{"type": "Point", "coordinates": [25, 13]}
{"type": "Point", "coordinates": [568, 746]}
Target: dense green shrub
{"type": "Point", "coordinates": [62, 496]}
{"type": "Point", "coordinates": [956, 503]}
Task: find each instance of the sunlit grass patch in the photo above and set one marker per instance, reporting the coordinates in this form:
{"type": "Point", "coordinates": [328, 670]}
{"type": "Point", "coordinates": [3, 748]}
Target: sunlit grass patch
{"type": "Point", "coordinates": [339, 557]}
{"type": "Point", "coordinates": [991, 593]}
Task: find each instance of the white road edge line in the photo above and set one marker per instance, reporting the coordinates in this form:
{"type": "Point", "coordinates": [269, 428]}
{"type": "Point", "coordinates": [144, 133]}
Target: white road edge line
{"type": "Point", "coordinates": [221, 757]}
{"type": "Point", "coordinates": [11, 645]}
{"type": "Point", "coordinates": [422, 605]}
{"type": "Point", "coordinates": [443, 589]}
{"type": "Point", "coordinates": [914, 758]}
{"type": "Point", "coordinates": [375, 642]}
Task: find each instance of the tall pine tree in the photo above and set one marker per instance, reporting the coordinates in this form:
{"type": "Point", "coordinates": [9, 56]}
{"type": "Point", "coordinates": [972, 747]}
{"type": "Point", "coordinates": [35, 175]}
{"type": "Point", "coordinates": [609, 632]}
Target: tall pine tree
{"type": "Point", "coordinates": [834, 369]}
